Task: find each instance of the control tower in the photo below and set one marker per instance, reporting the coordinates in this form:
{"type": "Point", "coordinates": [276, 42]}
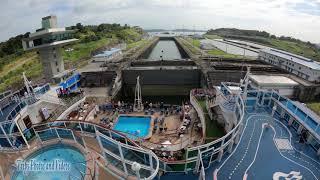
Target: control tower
{"type": "Point", "coordinates": [48, 42]}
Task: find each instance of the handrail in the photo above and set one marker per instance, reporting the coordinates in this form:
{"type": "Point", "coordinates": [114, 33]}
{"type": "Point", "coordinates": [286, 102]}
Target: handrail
{"type": "Point", "coordinates": [229, 133]}
{"type": "Point", "coordinates": [200, 112]}
{"type": "Point", "coordinates": [22, 103]}
{"type": "Point", "coordinates": [137, 144]}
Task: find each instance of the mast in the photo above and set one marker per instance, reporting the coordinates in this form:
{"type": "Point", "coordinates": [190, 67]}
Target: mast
{"type": "Point", "coordinates": [137, 106]}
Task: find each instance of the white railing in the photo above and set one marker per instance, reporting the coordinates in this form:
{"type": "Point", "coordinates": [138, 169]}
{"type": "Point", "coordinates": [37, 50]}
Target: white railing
{"type": "Point", "coordinates": [200, 113]}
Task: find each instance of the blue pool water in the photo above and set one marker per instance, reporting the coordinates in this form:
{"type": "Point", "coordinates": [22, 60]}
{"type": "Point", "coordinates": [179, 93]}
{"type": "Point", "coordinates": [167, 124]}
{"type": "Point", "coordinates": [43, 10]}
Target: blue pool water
{"type": "Point", "coordinates": [48, 155]}
{"type": "Point", "coordinates": [138, 126]}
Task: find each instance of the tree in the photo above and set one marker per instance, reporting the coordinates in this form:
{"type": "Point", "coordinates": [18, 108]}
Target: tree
{"type": "Point", "coordinates": [80, 27]}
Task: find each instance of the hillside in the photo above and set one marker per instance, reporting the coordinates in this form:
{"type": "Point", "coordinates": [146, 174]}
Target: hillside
{"type": "Point", "coordinates": [289, 44]}
{"type": "Point", "coordinates": [13, 60]}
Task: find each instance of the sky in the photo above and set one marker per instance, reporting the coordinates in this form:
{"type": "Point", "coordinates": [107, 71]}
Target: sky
{"type": "Point", "coordinates": [296, 18]}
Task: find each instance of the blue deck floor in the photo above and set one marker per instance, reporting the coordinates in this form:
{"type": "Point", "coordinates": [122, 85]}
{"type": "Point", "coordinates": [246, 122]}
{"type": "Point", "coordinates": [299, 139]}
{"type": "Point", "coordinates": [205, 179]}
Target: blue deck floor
{"type": "Point", "coordinates": [258, 157]}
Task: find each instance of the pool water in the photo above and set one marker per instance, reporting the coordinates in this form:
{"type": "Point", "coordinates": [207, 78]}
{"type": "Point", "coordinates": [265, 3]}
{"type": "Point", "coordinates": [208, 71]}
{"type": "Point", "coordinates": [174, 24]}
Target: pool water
{"type": "Point", "coordinates": [51, 153]}
{"type": "Point", "coordinates": [134, 126]}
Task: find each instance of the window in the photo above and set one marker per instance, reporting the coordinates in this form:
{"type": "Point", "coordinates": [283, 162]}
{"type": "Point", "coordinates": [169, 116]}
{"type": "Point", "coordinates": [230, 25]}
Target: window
{"type": "Point", "coordinates": [300, 68]}
{"type": "Point", "coordinates": [54, 56]}
{"type": "Point", "coordinates": [56, 63]}
{"type": "Point", "coordinates": [57, 69]}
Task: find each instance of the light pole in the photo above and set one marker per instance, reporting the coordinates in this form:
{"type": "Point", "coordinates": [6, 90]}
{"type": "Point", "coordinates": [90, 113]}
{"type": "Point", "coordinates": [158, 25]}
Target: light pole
{"type": "Point", "coordinates": [136, 168]}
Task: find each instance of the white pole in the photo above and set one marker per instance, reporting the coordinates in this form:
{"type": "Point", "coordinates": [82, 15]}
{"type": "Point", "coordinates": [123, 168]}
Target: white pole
{"type": "Point", "coordinates": [136, 168]}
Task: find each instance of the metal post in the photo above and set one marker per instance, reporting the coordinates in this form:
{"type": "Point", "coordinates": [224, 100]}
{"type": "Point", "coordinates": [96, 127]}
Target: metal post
{"type": "Point", "coordinates": [6, 135]}
{"type": "Point", "coordinates": [23, 137]}
{"type": "Point", "coordinates": [137, 106]}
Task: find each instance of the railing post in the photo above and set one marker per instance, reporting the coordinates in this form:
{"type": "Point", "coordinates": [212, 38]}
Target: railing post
{"type": "Point", "coordinates": [23, 137]}
{"type": "Point", "coordinates": [6, 135]}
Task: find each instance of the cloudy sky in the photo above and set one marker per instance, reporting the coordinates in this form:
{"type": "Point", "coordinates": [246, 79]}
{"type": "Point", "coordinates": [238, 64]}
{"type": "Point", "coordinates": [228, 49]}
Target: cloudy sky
{"type": "Point", "coordinates": [297, 18]}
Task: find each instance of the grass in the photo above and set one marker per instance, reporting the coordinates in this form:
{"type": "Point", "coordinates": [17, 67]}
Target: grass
{"type": "Point", "coordinates": [213, 129]}
{"type": "Point", "coordinates": [84, 50]}
{"type": "Point", "coordinates": [296, 48]}
{"type": "Point", "coordinates": [194, 42]}
{"type": "Point", "coordinates": [189, 46]}
{"type": "Point", "coordinates": [315, 106]}
{"type": "Point", "coordinates": [220, 53]}
{"type": "Point", "coordinates": [11, 75]}
{"type": "Point", "coordinates": [141, 42]}
{"type": "Point", "coordinates": [212, 36]}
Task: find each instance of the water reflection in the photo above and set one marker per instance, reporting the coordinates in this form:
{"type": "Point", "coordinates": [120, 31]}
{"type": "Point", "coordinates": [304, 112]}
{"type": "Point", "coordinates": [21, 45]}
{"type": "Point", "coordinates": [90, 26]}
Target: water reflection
{"type": "Point", "coordinates": [166, 50]}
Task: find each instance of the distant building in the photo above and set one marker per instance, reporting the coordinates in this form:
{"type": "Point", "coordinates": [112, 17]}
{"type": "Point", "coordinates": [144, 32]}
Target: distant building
{"type": "Point", "coordinates": [108, 55]}
{"type": "Point", "coordinates": [295, 64]}
{"type": "Point", "coordinates": [48, 41]}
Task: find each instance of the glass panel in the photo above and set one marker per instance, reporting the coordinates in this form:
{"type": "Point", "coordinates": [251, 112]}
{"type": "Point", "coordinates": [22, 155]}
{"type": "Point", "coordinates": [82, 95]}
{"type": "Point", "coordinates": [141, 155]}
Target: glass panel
{"type": "Point", "coordinates": [301, 114]}
{"type": "Point", "coordinates": [192, 153]}
{"type": "Point", "coordinates": [79, 139]}
{"type": "Point", "coordinates": [217, 144]}
{"type": "Point", "coordinates": [191, 165]}
{"type": "Point", "coordinates": [214, 156]}
{"type": "Point", "coordinates": [47, 134]}
{"type": "Point", "coordinates": [295, 125]}
{"type": "Point", "coordinates": [290, 106]}
{"type": "Point", "coordinates": [130, 171]}
{"type": "Point", "coordinates": [144, 173]}
{"type": "Point", "coordinates": [66, 134]}
{"type": "Point", "coordinates": [4, 142]}
{"type": "Point", "coordinates": [311, 123]}
{"type": "Point", "coordinates": [275, 95]}
{"type": "Point", "coordinates": [283, 100]}
{"type": "Point", "coordinates": [110, 146]}
{"type": "Point", "coordinates": [29, 134]}
{"type": "Point", "coordinates": [1, 132]}
{"type": "Point", "coordinates": [175, 167]}
{"type": "Point", "coordinates": [206, 158]}
{"type": "Point", "coordinates": [115, 162]}
{"type": "Point", "coordinates": [88, 128]}
{"type": "Point", "coordinates": [268, 94]}
{"type": "Point", "coordinates": [251, 102]}
{"type": "Point", "coordinates": [18, 141]}
{"type": "Point", "coordinates": [135, 156]}
{"type": "Point", "coordinates": [266, 102]}
{"type": "Point", "coordinates": [252, 94]}
{"type": "Point", "coordinates": [103, 131]}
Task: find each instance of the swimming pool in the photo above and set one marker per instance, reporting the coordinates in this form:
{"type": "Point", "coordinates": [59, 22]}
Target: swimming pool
{"type": "Point", "coordinates": [133, 126]}
{"type": "Point", "coordinates": [74, 164]}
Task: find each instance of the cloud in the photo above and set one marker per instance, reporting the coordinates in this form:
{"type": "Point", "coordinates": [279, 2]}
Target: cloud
{"type": "Point", "coordinates": [297, 18]}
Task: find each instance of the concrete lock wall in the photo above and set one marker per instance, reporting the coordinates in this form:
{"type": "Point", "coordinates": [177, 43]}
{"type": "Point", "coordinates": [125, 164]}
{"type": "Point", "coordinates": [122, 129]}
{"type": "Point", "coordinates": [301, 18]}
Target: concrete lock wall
{"type": "Point", "coordinates": [162, 82]}
{"type": "Point", "coordinates": [97, 79]}
{"type": "Point", "coordinates": [218, 76]}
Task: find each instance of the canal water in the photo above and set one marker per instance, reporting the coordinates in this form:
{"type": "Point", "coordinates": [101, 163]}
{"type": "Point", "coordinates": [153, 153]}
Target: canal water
{"type": "Point", "coordinates": [166, 50]}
